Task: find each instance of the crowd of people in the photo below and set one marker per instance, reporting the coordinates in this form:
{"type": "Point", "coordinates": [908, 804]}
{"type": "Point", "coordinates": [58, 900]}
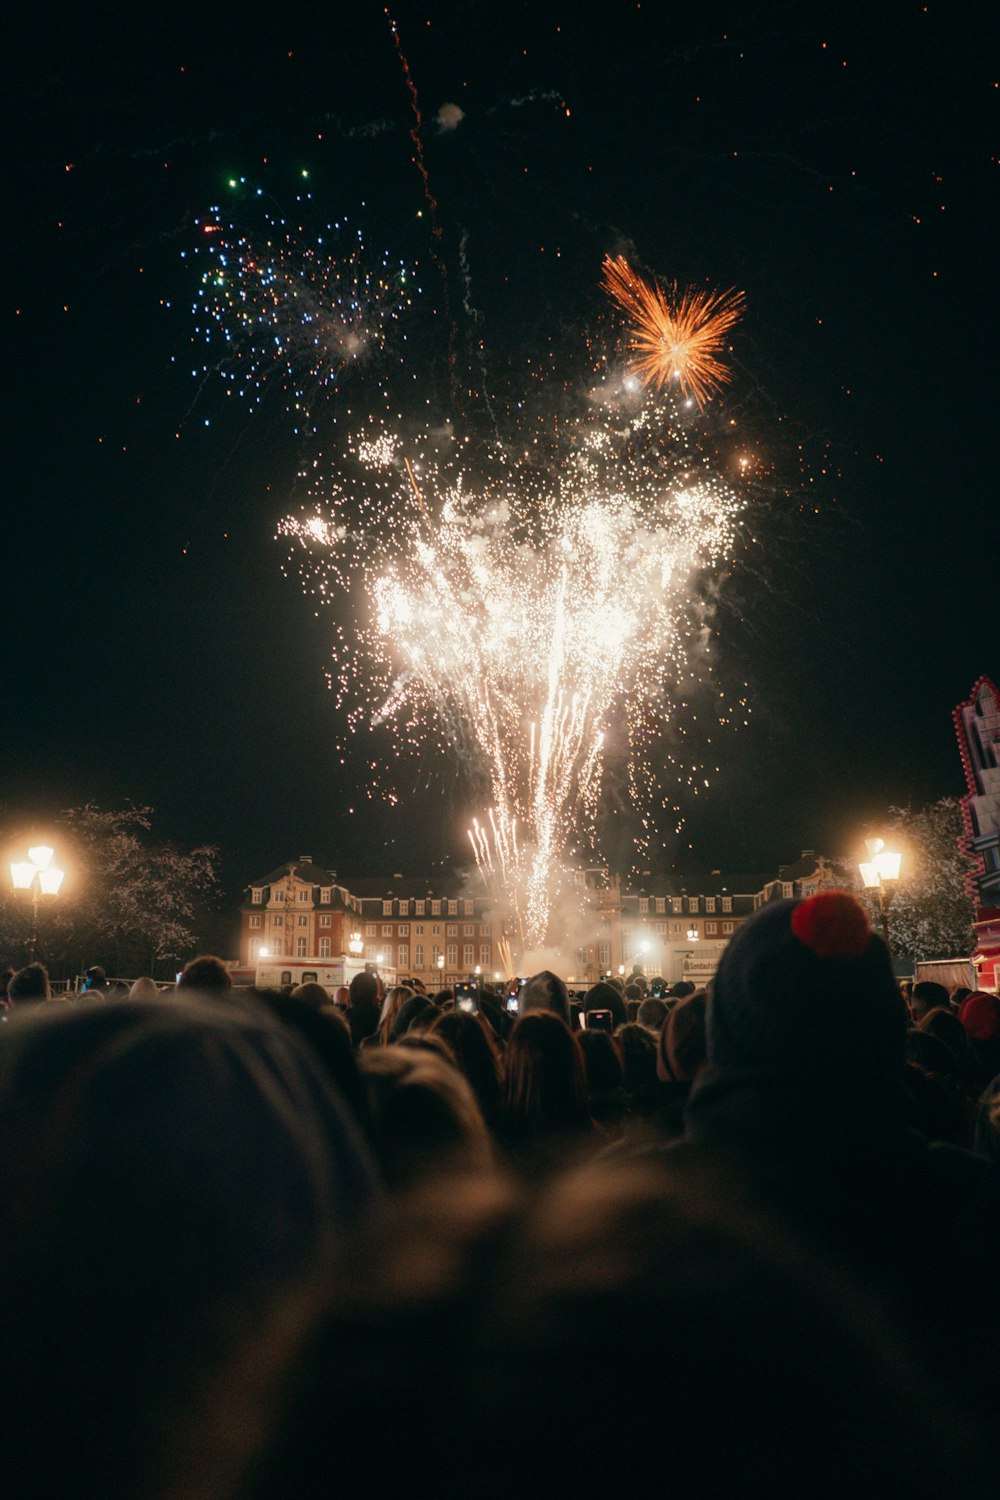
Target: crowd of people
{"type": "Point", "coordinates": [273, 1246]}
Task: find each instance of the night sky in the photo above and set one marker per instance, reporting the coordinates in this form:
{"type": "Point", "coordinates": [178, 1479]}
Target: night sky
{"type": "Point", "coordinates": [839, 171]}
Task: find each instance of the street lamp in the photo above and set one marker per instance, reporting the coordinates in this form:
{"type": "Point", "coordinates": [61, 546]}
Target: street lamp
{"type": "Point", "coordinates": [880, 872]}
{"type": "Point", "coordinates": [355, 945]}
{"type": "Point", "coordinates": [40, 876]}
{"type": "Point", "coordinates": [692, 934]}
{"type": "Point", "coordinates": [440, 962]}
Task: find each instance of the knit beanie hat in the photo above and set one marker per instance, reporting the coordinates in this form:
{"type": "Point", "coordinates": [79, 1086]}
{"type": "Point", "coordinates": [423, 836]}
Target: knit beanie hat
{"type": "Point", "coordinates": [806, 987]}
{"type": "Point", "coordinates": [979, 1013]}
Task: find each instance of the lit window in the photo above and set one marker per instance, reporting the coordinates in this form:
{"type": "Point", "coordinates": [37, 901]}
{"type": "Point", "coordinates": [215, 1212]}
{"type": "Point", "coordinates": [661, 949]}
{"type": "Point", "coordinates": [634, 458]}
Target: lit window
{"type": "Point", "coordinates": [387, 908]}
{"type": "Point", "coordinates": [727, 903]}
{"type": "Point", "coordinates": [677, 904]}
{"type": "Point", "coordinates": [324, 947]}
{"type": "Point", "coordinates": [419, 905]}
{"type": "Point", "coordinates": [692, 903]}
{"type": "Point", "coordinates": [325, 894]}
{"type": "Point", "coordinates": [787, 889]}
{"type": "Point", "coordinates": [258, 896]}
{"type": "Point", "coordinates": [709, 903]}
{"type": "Point", "coordinates": [404, 908]}
{"type": "Point", "coordinates": [435, 908]}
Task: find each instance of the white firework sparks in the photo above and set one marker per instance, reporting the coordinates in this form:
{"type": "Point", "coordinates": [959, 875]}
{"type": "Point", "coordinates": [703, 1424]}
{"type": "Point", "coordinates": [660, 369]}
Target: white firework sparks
{"type": "Point", "coordinates": [516, 616]}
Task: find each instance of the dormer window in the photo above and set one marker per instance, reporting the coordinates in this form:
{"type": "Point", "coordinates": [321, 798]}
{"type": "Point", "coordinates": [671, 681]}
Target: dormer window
{"type": "Point", "coordinates": [325, 894]}
{"type": "Point", "coordinates": [258, 896]}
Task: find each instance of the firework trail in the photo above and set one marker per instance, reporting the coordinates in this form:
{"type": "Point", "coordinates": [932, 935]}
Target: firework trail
{"type": "Point", "coordinates": [676, 335]}
{"type": "Point", "coordinates": [280, 309]}
{"type": "Point", "coordinates": [416, 129]}
{"type": "Point", "coordinates": [511, 616]}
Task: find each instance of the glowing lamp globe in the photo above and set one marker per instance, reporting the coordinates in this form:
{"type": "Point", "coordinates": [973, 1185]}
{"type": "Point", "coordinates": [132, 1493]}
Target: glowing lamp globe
{"type": "Point", "coordinates": [41, 856]}
{"type": "Point", "coordinates": [22, 873]}
{"type": "Point", "coordinates": [50, 881]}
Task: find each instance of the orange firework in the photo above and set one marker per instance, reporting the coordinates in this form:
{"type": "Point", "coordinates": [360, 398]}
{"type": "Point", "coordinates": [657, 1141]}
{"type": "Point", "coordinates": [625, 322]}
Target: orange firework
{"type": "Point", "coordinates": [675, 335]}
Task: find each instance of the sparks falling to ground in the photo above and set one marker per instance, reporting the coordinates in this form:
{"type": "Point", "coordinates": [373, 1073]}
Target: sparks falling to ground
{"type": "Point", "coordinates": [515, 615]}
{"type": "Point", "coordinates": [674, 335]}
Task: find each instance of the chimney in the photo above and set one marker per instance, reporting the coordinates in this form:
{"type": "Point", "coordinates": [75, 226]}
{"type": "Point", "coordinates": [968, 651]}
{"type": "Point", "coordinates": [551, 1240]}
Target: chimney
{"type": "Point", "coordinates": [809, 854]}
{"type": "Point", "coordinates": [305, 859]}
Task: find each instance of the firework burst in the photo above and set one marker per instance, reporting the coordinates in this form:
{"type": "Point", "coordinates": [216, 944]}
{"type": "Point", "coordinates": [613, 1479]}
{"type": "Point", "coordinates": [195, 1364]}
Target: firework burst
{"type": "Point", "coordinates": [675, 335]}
{"type": "Point", "coordinates": [512, 615]}
{"type": "Point", "coordinates": [278, 309]}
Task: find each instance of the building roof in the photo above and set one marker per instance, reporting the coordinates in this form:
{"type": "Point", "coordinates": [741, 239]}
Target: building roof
{"type": "Point", "coordinates": [311, 873]}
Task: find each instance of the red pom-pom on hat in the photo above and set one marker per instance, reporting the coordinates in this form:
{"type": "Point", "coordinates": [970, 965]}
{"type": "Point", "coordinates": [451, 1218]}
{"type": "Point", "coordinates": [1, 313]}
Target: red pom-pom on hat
{"type": "Point", "coordinates": [833, 924]}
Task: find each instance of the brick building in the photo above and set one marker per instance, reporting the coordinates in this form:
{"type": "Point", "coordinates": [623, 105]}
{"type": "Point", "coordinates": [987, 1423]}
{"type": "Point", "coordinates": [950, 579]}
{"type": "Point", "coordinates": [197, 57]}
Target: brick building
{"type": "Point", "coordinates": [303, 919]}
{"type": "Point", "coordinates": [407, 926]}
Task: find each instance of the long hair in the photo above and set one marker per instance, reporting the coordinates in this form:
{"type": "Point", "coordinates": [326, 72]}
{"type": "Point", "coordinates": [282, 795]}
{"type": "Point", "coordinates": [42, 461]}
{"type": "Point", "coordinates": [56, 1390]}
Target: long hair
{"type": "Point", "coordinates": [471, 1040]}
{"type": "Point", "coordinates": [391, 1006]}
{"type": "Point", "coordinates": [545, 1087]}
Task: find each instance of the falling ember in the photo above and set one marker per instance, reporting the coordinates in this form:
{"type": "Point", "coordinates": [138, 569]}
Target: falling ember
{"type": "Point", "coordinates": [674, 335]}
{"type": "Point", "coordinates": [515, 615]}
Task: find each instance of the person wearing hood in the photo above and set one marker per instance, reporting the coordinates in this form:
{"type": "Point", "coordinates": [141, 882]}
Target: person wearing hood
{"type": "Point", "coordinates": [802, 1099]}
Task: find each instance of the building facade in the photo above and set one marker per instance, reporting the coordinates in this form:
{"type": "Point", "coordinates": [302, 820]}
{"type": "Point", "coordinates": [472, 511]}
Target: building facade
{"type": "Point", "coordinates": [303, 919]}
{"type": "Point", "coordinates": [433, 930]}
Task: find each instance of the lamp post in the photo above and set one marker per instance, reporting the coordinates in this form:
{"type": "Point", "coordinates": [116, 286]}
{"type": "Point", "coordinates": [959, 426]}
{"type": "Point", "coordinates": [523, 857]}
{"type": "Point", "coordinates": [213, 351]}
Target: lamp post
{"type": "Point", "coordinates": [880, 873]}
{"type": "Point", "coordinates": [692, 934]}
{"type": "Point", "coordinates": [355, 945]}
{"type": "Point", "coordinates": [40, 876]}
